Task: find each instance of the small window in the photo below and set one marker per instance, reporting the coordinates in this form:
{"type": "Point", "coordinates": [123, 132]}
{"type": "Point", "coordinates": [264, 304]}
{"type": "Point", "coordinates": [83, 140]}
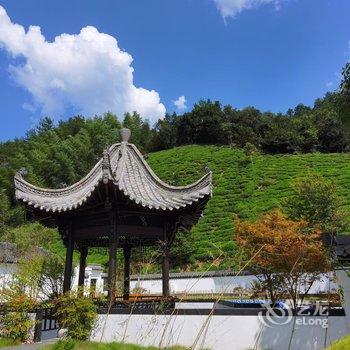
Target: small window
{"type": "Point", "coordinates": [105, 284]}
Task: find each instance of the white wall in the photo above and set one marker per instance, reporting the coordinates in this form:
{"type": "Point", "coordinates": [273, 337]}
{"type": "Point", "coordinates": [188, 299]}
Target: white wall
{"type": "Point", "coordinates": [215, 332]}
{"type": "Point", "coordinates": [344, 283]}
{"type": "Point", "coordinates": [228, 332]}
{"type": "Point", "coordinates": [91, 272]}
{"type": "Point", "coordinates": [217, 284]}
{"type": "Point", "coordinates": [6, 273]}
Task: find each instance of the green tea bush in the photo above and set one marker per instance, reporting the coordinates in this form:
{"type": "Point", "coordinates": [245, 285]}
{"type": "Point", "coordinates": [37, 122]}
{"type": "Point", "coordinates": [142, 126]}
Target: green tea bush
{"type": "Point", "coordinates": [76, 313]}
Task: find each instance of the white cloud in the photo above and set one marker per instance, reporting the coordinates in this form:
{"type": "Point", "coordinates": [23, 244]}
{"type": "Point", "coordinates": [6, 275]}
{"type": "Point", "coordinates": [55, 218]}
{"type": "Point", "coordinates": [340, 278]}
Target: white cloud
{"type": "Point", "coordinates": [230, 8]}
{"type": "Point", "coordinates": [28, 107]}
{"type": "Point", "coordinates": [86, 71]}
{"type": "Point", "coordinates": [180, 103]}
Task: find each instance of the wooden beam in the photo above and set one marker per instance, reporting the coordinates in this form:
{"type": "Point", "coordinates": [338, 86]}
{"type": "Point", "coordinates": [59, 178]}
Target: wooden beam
{"type": "Point", "coordinates": [127, 254]}
{"type": "Point", "coordinates": [69, 261]}
{"type": "Point", "coordinates": [130, 230]}
{"type": "Point", "coordinates": [136, 242]}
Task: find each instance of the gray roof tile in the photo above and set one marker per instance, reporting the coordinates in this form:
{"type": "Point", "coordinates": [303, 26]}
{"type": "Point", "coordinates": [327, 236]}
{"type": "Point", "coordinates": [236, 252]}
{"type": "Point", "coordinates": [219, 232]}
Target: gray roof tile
{"type": "Point", "coordinates": [123, 165]}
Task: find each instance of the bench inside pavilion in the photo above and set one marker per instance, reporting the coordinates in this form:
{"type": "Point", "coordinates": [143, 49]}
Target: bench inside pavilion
{"type": "Point", "coordinates": [120, 203]}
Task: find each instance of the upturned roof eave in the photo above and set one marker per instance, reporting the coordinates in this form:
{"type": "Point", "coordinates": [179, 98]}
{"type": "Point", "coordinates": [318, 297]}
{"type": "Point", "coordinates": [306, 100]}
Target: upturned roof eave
{"type": "Point", "coordinates": [82, 190]}
{"type": "Point", "coordinates": [208, 175]}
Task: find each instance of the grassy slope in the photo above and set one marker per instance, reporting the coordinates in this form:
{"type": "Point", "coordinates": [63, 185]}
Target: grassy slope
{"type": "Point", "coordinates": [243, 185]}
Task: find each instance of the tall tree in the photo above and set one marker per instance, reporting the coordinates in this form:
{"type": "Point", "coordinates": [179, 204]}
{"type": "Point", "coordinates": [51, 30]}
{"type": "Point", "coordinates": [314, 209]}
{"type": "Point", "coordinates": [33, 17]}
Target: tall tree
{"type": "Point", "coordinates": [315, 200]}
{"type": "Point", "coordinates": [165, 135]}
{"type": "Point", "coordinates": [345, 83]}
{"type": "Point", "coordinates": [285, 257]}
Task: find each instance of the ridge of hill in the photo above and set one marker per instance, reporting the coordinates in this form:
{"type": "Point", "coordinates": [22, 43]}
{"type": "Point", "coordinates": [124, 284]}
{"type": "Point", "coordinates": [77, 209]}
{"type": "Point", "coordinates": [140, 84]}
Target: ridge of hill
{"type": "Point", "coordinates": [246, 185]}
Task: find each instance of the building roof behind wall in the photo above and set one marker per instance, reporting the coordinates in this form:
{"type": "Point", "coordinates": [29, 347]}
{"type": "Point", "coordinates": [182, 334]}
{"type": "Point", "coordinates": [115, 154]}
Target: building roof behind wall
{"type": "Point", "coordinates": [190, 274]}
{"type": "Point", "coordinates": [8, 253]}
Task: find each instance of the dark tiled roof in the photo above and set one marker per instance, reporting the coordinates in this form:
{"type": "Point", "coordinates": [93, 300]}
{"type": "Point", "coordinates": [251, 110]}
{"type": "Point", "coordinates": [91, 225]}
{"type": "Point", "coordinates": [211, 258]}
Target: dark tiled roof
{"type": "Point", "coordinates": [124, 166]}
{"type": "Point", "coordinates": [340, 244]}
{"type": "Point", "coordinates": [8, 253]}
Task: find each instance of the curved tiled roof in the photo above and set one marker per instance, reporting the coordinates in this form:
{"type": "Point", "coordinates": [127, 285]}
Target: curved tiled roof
{"type": "Point", "coordinates": [123, 165]}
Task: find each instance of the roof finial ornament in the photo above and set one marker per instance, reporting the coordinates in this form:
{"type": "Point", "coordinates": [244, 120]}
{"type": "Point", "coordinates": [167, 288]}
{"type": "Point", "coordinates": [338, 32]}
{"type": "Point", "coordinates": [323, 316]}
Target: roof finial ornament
{"type": "Point", "coordinates": [22, 172]}
{"type": "Point", "coordinates": [125, 134]}
{"type": "Point", "coordinates": [207, 169]}
{"type": "Point", "coordinates": [105, 167]}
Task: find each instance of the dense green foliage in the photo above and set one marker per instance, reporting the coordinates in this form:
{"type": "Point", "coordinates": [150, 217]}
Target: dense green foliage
{"type": "Point", "coordinates": [315, 200]}
{"type": "Point", "coordinates": [303, 129]}
{"type": "Point", "coordinates": [345, 83]}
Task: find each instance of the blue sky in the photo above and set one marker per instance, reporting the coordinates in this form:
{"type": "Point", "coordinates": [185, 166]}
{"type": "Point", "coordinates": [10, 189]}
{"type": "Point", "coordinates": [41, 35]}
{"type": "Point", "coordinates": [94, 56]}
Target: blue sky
{"type": "Point", "coordinates": [267, 53]}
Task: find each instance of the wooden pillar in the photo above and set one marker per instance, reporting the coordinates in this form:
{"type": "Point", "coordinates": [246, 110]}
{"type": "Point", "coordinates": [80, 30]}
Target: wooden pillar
{"type": "Point", "coordinates": [69, 262]}
{"type": "Point", "coordinates": [38, 324]}
{"type": "Point", "coordinates": [127, 254]}
{"type": "Point", "coordinates": [165, 266]}
{"type": "Point", "coordinates": [82, 266]}
{"type": "Point", "coordinates": [112, 265]}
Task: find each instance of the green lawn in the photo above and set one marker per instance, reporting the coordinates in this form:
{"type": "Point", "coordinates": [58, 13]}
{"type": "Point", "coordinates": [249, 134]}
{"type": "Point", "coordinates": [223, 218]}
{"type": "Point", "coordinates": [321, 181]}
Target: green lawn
{"type": "Point", "coordinates": [342, 344]}
{"type": "Point", "coordinates": [6, 342]}
{"type": "Point", "coordinates": [62, 345]}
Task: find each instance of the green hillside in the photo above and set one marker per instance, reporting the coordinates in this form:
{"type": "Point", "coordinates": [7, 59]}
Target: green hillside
{"type": "Point", "coordinates": [245, 185]}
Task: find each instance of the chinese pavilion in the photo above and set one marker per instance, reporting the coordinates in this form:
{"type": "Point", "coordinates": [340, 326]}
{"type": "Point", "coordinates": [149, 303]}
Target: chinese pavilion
{"type": "Point", "coordinates": [120, 203]}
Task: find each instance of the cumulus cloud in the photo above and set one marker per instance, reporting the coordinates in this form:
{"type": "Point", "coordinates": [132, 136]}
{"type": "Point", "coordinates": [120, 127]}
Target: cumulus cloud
{"type": "Point", "coordinates": [85, 71]}
{"type": "Point", "coordinates": [230, 8]}
{"type": "Point", "coordinates": [180, 103]}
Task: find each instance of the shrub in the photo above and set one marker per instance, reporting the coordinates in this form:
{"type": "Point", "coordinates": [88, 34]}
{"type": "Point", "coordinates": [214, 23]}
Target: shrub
{"type": "Point", "coordinates": [16, 323]}
{"type": "Point", "coordinates": [76, 313]}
